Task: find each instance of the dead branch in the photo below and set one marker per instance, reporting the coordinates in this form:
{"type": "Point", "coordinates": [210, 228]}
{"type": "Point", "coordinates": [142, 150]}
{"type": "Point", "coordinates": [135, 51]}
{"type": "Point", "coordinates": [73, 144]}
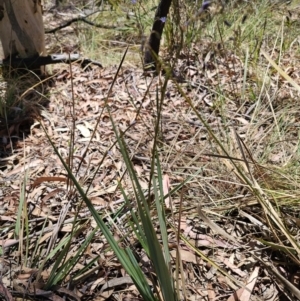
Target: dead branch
{"type": "Point", "coordinates": [38, 61]}
{"type": "Point", "coordinates": [77, 19]}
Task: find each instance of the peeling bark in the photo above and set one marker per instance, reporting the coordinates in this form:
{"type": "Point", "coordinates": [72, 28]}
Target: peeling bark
{"type": "Point", "coordinates": [21, 28]}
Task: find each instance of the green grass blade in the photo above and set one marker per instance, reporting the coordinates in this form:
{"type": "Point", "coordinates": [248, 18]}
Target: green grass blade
{"type": "Point", "coordinates": [140, 281]}
{"type": "Point", "coordinates": [161, 212]}
{"type": "Point", "coordinates": [58, 275]}
{"type": "Point", "coordinates": [156, 254]}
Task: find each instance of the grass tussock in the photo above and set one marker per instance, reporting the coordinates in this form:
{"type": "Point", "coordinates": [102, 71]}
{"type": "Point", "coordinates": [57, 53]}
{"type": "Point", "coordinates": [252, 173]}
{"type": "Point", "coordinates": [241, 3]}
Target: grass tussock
{"type": "Point", "coordinates": [183, 186]}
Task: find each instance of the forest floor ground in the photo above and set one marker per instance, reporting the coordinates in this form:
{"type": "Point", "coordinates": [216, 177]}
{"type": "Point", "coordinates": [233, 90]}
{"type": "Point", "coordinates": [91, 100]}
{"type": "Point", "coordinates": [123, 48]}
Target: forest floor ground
{"type": "Point", "coordinates": [254, 114]}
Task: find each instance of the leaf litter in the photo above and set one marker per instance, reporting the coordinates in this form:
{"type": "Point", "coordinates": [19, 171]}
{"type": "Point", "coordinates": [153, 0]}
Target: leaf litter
{"type": "Point", "coordinates": [45, 174]}
{"type": "Point", "coordinates": [221, 219]}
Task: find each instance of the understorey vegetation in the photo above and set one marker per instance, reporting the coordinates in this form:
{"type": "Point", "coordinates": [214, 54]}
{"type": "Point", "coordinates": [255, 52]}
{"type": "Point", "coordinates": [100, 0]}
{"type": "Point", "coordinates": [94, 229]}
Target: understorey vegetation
{"type": "Point", "coordinates": [168, 173]}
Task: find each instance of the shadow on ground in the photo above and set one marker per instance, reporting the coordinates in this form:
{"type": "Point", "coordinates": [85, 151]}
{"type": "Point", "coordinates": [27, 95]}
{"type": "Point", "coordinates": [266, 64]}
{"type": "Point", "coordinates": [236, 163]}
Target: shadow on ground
{"type": "Point", "coordinates": [23, 94]}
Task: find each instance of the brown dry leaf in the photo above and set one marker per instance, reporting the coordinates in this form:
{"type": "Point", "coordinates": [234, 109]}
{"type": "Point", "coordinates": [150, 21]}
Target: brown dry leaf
{"type": "Point", "coordinates": [45, 237]}
{"type": "Point", "coordinates": [52, 194]}
{"type": "Point", "coordinates": [116, 282]}
{"type": "Point", "coordinates": [43, 213]}
{"type": "Point", "coordinates": [97, 282]}
{"type": "Point", "coordinates": [138, 169]}
{"type": "Point", "coordinates": [109, 189]}
{"type": "Point", "coordinates": [104, 295]}
{"type": "Point", "coordinates": [244, 294]}
{"type": "Point", "coordinates": [186, 256]}
{"type": "Point", "coordinates": [210, 291]}
{"type": "Point", "coordinates": [242, 120]}
{"type": "Point", "coordinates": [166, 189]}
{"type": "Point", "coordinates": [48, 179]}
{"type": "Point", "coordinates": [215, 227]}
{"type": "Point", "coordinates": [134, 136]}
{"type": "Point", "coordinates": [236, 295]}
{"type": "Point", "coordinates": [184, 226]}
{"type": "Point", "coordinates": [233, 267]}
{"type": "Point", "coordinates": [8, 242]}
{"type": "Point", "coordinates": [67, 228]}
{"type": "Point", "coordinates": [94, 224]}
{"type": "Point", "coordinates": [144, 184]}
{"type": "Point", "coordinates": [98, 201]}
{"type": "Point", "coordinates": [7, 218]}
{"type": "Point", "coordinates": [23, 168]}
{"type": "Point", "coordinates": [66, 292]}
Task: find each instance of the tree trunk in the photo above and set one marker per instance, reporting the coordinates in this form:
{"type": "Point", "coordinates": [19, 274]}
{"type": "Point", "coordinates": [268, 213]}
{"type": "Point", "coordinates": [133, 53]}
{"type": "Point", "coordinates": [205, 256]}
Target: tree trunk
{"type": "Point", "coordinates": [153, 44]}
{"type": "Point", "coordinates": [21, 28]}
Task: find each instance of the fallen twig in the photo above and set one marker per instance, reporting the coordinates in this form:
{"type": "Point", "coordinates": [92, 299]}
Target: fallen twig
{"type": "Point", "coordinates": [38, 61]}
